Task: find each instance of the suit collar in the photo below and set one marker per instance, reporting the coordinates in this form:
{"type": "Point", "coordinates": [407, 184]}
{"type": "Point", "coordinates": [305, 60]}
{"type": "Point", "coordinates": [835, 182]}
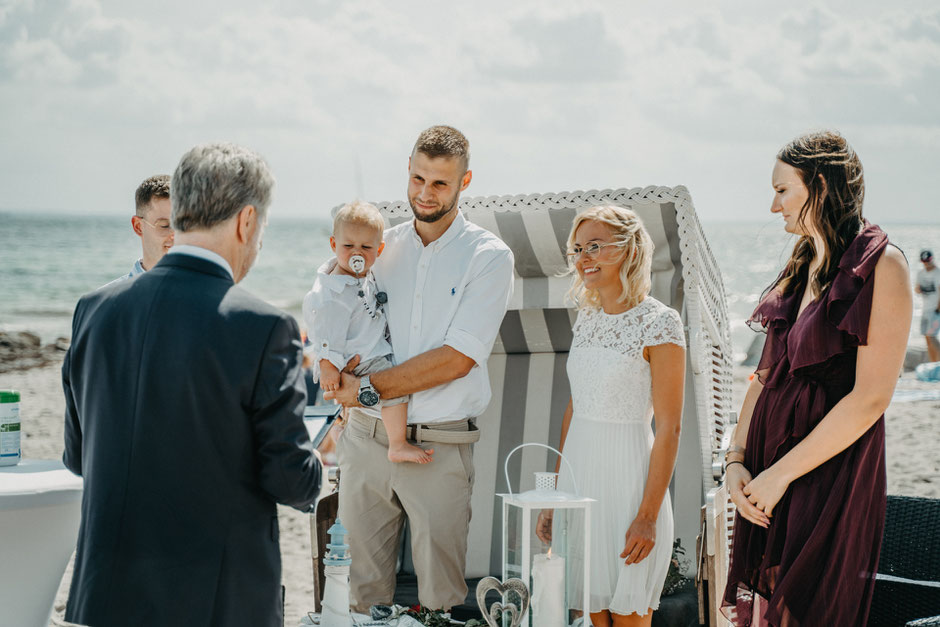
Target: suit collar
{"type": "Point", "coordinates": [198, 264]}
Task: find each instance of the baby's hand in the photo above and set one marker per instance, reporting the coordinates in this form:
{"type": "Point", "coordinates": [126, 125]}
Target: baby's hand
{"type": "Point", "coordinates": [329, 376]}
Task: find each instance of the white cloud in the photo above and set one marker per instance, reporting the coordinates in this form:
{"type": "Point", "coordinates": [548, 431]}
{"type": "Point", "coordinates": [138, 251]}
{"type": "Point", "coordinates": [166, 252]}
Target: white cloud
{"type": "Point", "coordinates": [101, 94]}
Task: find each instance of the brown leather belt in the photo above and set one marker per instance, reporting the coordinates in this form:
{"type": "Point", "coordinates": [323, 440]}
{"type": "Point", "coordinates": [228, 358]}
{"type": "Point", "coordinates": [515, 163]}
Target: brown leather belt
{"type": "Point", "coordinates": [444, 432]}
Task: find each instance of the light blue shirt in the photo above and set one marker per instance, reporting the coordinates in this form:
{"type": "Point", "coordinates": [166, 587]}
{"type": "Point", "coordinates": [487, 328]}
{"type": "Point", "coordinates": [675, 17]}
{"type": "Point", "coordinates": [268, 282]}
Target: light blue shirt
{"type": "Point", "coordinates": [136, 270]}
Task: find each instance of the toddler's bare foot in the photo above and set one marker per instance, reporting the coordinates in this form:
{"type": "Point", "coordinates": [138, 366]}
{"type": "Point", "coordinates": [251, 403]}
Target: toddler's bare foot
{"type": "Point", "coordinates": [405, 452]}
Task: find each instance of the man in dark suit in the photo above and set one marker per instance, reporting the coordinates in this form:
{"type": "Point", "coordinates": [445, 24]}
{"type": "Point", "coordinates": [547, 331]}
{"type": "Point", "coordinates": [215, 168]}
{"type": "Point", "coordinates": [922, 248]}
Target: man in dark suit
{"type": "Point", "coordinates": [184, 414]}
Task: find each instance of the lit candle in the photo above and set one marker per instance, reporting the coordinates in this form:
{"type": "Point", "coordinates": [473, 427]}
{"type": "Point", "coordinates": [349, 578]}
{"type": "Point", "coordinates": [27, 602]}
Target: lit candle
{"type": "Point", "coordinates": [548, 591]}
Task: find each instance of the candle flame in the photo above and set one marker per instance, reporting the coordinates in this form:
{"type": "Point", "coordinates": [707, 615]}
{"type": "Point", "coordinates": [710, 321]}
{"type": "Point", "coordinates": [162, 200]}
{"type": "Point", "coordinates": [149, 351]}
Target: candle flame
{"type": "Point", "coordinates": [549, 553]}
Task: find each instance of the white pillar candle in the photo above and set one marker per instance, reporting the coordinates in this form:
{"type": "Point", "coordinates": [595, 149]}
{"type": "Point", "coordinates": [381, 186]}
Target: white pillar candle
{"type": "Point", "coordinates": [548, 591]}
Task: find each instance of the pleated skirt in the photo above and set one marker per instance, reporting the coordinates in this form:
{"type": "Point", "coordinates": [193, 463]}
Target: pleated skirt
{"type": "Point", "coordinates": [611, 463]}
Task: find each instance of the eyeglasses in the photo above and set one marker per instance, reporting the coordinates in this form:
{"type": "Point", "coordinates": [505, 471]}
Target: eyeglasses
{"type": "Point", "coordinates": [164, 229]}
{"type": "Point", "coordinates": [591, 250]}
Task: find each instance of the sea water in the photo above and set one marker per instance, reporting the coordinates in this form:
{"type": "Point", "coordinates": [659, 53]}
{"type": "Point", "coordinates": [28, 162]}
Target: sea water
{"type": "Point", "coordinates": [47, 261]}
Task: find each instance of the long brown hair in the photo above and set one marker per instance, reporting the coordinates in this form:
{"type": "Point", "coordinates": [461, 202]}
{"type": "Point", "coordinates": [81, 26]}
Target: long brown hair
{"type": "Point", "coordinates": [833, 176]}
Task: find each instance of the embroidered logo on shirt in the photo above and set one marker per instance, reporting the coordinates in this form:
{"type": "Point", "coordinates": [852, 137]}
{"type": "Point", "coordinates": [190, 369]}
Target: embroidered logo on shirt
{"type": "Point", "coordinates": [453, 291]}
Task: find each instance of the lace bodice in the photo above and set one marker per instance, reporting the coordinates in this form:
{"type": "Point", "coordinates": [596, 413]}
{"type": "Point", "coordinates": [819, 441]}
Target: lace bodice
{"type": "Point", "coordinates": [610, 380]}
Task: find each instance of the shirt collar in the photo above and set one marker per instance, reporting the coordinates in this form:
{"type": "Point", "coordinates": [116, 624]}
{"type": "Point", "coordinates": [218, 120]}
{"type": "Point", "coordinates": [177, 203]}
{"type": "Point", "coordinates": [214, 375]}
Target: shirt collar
{"type": "Point", "coordinates": [202, 253]}
{"type": "Point", "coordinates": [456, 228]}
{"type": "Point", "coordinates": [138, 268]}
{"type": "Point", "coordinates": [336, 282]}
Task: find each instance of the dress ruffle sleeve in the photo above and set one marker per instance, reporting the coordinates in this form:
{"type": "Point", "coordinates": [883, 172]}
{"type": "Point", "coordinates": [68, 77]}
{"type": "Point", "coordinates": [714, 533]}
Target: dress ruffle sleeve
{"type": "Point", "coordinates": [847, 303]}
{"type": "Point", "coordinates": [772, 316]}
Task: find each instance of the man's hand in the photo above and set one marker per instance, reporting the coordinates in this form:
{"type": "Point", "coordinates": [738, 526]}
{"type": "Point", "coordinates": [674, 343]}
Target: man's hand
{"type": "Point", "coordinates": [347, 393]}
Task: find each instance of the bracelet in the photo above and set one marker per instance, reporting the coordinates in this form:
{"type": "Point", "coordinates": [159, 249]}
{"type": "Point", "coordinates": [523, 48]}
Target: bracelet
{"type": "Point", "coordinates": [734, 450]}
{"type": "Point", "coordinates": [734, 462]}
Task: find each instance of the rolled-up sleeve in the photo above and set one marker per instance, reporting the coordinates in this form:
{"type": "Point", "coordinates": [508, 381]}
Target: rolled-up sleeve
{"type": "Point", "coordinates": [482, 308]}
{"type": "Point", "coordinates": [327, 321]}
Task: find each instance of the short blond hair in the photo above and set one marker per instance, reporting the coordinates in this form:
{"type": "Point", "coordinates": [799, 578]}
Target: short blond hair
{"type": "Point", "coordinates": [636, 266]}
{"type": "Point", "coordinates": [361, 213]}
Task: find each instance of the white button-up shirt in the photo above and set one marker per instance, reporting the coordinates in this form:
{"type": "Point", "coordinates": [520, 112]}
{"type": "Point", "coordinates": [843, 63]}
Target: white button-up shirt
{"type": "Point", "coordinates": [340, 323]}
{"type": "Point", "coordinates": [452, 292]}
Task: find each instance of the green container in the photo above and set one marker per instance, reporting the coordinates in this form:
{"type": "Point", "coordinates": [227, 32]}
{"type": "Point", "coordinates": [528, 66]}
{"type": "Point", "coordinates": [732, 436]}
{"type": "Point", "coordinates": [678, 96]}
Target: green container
{"type": "Point", "coordinates": [10, 451]}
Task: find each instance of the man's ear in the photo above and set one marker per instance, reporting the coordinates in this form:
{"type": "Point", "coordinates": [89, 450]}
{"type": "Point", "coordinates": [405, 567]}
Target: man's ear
{"type": "Point", "coordinates": [246, 223]}
{"type": "Point", "coordinates": [137, 226]}
{"type": "Point", "coordinates": [465, 182]}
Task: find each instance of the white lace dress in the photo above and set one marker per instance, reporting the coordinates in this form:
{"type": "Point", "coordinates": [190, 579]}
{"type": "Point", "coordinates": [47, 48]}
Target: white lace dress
{"type": "Point", "coordinates": [609, 443]}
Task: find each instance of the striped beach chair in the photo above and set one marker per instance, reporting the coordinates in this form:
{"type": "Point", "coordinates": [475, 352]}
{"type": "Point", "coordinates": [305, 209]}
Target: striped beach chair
{"type": "Point", "coordinates": [527, 365]}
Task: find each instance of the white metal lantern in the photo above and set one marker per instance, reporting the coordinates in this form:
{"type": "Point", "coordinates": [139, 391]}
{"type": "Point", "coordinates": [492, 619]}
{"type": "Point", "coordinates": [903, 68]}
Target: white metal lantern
{"type": "Point", "coordinates": [555, 574]}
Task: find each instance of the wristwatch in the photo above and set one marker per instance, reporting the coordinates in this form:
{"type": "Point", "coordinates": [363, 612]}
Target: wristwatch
{"type": "Point", "coordinates": [368, 396]}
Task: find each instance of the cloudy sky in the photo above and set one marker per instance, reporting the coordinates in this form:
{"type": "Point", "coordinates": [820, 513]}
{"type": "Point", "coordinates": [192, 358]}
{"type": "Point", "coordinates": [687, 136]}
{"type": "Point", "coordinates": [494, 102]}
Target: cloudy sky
{"type": "Point", "coordinates": [96, 95]}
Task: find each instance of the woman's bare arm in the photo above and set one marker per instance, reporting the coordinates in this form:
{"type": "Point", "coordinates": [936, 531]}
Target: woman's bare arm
{"type": "Point", "coordinates": [667, 368]}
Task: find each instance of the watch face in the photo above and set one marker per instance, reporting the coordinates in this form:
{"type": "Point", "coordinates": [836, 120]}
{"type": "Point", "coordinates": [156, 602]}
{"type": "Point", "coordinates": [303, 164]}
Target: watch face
{"type": "Point", "coordinates": [368, 398]}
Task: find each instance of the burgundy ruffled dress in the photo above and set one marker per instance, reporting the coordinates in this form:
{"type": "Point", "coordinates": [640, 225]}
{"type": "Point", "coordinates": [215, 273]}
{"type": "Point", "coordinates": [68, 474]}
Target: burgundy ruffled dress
{"type": "Point", "coordinates": [816, 563]}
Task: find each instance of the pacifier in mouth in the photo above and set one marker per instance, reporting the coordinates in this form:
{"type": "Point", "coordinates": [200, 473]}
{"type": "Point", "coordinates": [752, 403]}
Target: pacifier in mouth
{"type": "Point", "coordinates": [357, 263]}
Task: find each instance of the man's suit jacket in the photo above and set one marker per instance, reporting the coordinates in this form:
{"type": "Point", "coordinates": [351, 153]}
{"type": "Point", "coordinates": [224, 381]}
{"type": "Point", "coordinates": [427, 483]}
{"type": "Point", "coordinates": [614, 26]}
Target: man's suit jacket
{"type": "Point", "coordinates": [184, 414]}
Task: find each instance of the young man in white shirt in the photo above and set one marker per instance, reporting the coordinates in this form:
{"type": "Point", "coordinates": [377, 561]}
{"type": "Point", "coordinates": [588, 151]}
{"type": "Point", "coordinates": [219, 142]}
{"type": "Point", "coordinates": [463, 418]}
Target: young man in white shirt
{"type": "Point", "coordinates": [927, 284]}
{"type": "Point", "coordinates": [448, 283]}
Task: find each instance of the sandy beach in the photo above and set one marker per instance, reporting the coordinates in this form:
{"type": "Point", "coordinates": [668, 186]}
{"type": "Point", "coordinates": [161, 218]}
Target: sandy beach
{"type": "Point", "coordinates": [913, 465]}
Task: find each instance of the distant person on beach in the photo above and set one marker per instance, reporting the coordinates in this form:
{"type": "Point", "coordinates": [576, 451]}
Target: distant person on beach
{"type": "Point", "coordinates": [151, 223]}
{"type": "Point", "coordinates": [184, 414]}
{"type": "Point", "coordinates": [806, 465]}
{"type": "Point", "coordinates": [927, 284]}
{"type": "Point", "coordinates": [449, 283]}
{"type": "Point", "coordinates": [345, 316]}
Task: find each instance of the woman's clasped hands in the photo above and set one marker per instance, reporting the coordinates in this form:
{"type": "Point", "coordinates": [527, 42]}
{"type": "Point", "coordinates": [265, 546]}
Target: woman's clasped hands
{"type": "Point", "coordinates": [755, 497]}
{"type": "Point", "coordinates": [766, 489]}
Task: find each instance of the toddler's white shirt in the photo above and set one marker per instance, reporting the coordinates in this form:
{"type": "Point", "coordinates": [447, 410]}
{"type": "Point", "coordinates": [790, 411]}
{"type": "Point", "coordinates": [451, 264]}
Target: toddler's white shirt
{"type": "Point", "coordinates": [338, 323]}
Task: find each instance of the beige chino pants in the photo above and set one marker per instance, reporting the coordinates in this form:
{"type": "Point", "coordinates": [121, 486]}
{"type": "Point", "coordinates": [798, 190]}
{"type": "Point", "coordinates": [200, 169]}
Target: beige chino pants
{"type": "Point", "coordinates": [374, 498]}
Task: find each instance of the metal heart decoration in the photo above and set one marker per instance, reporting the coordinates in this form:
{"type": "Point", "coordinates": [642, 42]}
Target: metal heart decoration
{"type": "Point", "coordinates": [494, 614]}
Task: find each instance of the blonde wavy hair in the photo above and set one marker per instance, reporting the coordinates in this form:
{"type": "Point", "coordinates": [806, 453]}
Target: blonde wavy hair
{"type": "Point", "coordinates": [635, 266]}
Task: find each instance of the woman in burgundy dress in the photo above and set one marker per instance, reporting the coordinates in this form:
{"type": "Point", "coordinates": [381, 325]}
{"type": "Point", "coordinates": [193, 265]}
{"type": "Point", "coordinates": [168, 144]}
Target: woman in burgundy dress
{"type": "Point", "coordinates": [806, 468]}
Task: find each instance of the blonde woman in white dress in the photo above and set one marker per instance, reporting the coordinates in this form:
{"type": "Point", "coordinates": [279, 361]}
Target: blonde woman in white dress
{"type": "Point", "coordinates": [627, 364]}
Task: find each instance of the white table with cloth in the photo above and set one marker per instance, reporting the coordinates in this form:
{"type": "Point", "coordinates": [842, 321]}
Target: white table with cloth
{"type": "Point", "coordinates": [40, 511]}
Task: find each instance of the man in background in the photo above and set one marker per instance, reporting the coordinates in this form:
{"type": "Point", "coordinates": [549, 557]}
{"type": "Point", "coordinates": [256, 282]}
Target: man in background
{"type": "Point", "coordinates": [927, 284]}
{"type": "Point", "coordinates": [151, 223]}
{"type": "Point", "coordinates": [184, 414]}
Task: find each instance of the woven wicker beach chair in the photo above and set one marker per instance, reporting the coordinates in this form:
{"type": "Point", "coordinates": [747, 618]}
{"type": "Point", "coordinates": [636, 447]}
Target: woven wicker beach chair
{"type": "Point", "coordinates": [527, 366]}
{"type": "Point", "coordinates": [907, 586]}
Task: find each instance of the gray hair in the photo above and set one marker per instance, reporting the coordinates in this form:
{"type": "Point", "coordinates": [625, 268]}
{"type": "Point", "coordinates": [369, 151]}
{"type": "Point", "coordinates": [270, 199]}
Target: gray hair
{"type": "Point", "coordinates": [213, 182]}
